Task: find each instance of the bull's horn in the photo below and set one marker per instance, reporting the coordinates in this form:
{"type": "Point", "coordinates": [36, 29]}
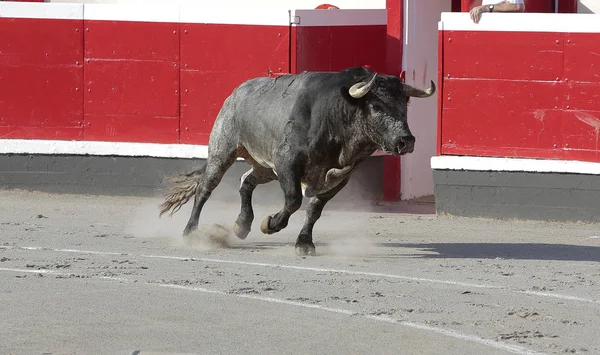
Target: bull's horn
{"type": "Point", "coordinates": [359, 90]}
{"type": "Point", "coordinates": [414, 92]}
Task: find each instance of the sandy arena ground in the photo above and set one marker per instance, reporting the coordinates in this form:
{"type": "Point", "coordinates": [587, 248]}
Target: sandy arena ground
{"type": "Point", "coordinates": [105, 275]}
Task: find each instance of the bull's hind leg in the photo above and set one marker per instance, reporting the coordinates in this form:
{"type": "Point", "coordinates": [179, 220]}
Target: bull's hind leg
{"type": "Point", "coordinates": [220, 158]}
{"type": "Point", "coordinates": [304, 243]}
{"type": "Point", "coordinates": [249, 181]}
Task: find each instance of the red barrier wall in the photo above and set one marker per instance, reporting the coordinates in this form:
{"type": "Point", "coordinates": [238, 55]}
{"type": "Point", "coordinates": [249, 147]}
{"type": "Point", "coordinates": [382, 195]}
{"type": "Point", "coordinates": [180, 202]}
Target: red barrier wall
{"type": "Point", "coordinates": [524, 93]}
{"type": "Point", "coordinates": [41, 76]}
{"type": "Point", "coordinates": [160, 75]}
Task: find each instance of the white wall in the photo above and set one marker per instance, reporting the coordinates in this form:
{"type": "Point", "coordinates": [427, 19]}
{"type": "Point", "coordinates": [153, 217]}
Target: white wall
{"type": "Point", "coordinates": [287, 4]}
{"type": "Point", "coordinates": [588, 6]}
{"type": "Point", "coordinates": [421, 65]}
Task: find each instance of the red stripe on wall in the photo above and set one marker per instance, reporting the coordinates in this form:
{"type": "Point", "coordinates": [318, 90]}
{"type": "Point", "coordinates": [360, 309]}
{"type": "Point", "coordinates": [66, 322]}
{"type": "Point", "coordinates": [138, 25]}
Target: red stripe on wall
{"type": "Point", "coordinates": [503, 55]}
{"type": "Point", "coordinates": [127, 41]}
{"type": "Point", "coordinates": [392, 177]}
{"type": "Point", "coordinates": [440, 90]}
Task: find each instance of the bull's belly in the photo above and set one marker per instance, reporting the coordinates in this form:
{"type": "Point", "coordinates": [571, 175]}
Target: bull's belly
{"type": "Point", "coordinates": [261, 157]}
{"type": "Point", "coordinates": [309, 190]}
{"type": "Point", "coordinates": [324, 180]}
{"type": "Point", "coordinates": [316, 181]}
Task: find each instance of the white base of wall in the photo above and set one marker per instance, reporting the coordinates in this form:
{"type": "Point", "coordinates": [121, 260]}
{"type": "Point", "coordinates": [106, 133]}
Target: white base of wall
{"type": "Point", "coordinates": [124, 149]}
{"type": "Point", "coordinates": [447, 162]}
{"type": "Point", "coordinates": [51, 147]}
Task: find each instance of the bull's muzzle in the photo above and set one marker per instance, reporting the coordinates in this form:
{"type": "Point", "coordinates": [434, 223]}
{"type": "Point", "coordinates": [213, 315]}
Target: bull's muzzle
{"type": "Point", "coordinates": [405, 145]}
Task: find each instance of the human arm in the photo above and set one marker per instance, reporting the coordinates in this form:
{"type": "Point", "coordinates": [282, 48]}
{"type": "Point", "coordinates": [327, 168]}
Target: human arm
{"type": "Point", "coordinates": [504, 6]}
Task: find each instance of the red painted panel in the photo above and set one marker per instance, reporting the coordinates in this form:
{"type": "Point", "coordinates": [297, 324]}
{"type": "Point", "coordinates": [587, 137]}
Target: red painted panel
{"type": "Point", "coordinates": [582, 57]}
{"type": "Point", "coordinates": [395, 28]}
{"type": "Point", "coordinates": [213, 67]}
{"type": "Point", "coordinates": [392, 179]}
{"type": "Point", "coordinates": [293, 51]}
{"type": "Point", "coordinates": [467, 5]}
{"type": "Point", "coordinates": [583, 96]}
{"type": "Point", "coordinates": [502, 94]}
{"type": "Point", "coordinates": [132, 128]}
{"type": "Point", "coordinates": [338, 47]}
{"type": "Point", "coordinates": [31, 95]}
{"type": "Point", "coordinates": [41, 79]}
{"type": "Point", "coordinates": [131, 88]}
{"type": "Point", "coordinates": [580, 131]}
{"type": "Point", "coordinates": [41, 41]}
{"type": "Point", "coordinates": [503, 55]}
{"type": "Point", "coordinates": [567, 6]}
{"type": "Point", "coordinates": [456, 5]}
{"type": "Point", "coordinates": [258, 49]}
{"type": "Point", "coordinates": [203, 94]}
{"type": "Point", "coordinates": [313, 49]}
{"type": "Point", "coordinates": [393, 65]}
{"type": "Point", "coordinates": [131, 81]}
{"type": "Point", "coordinates": [132, 40]}
{"type": "Point", "coordinates": [502, 118]}
{"type": "Point", "coordinates": [543, 6]}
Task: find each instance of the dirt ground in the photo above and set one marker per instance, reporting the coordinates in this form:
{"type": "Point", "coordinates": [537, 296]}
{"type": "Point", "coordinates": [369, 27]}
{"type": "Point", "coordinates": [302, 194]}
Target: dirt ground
{"type": "Point", "coordinates": [105, 275]}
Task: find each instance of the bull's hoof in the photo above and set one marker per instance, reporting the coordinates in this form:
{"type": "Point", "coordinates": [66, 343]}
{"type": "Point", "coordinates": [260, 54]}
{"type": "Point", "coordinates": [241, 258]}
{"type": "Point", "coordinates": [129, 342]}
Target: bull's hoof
{"type": "Point", "coordinates": [240, 232]}
{"type": "Point", "coordinates": [188, 230]}
{"type": "Point", "coordinates": [264, 226]}
{"type": "Point", "coordinates": [306, 249]}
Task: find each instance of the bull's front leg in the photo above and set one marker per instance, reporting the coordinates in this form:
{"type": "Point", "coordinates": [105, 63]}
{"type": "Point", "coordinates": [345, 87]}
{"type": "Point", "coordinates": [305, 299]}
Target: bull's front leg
{"type": "Point", "coordinates": [249, 181]}
{"type": "Point", "coordinates": [289, 180]}
{"type": "Point", "coordinates": [304, 243]}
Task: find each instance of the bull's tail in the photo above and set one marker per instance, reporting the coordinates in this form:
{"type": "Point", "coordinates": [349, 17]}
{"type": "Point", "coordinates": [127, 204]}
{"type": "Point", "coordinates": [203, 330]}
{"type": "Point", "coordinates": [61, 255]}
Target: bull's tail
{"type": "Point", "coordinates": [180, 195]}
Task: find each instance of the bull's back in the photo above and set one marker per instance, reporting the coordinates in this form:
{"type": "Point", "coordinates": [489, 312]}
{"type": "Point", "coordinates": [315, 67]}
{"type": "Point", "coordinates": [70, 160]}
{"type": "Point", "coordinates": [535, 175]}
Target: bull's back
{"type": "Point", "coordinates": [263, 107]}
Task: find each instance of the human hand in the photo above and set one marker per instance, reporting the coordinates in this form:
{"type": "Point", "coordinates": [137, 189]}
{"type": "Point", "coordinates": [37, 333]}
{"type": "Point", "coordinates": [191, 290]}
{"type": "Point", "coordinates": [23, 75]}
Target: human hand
{"type": "Point", "coordinates": [476, 13]}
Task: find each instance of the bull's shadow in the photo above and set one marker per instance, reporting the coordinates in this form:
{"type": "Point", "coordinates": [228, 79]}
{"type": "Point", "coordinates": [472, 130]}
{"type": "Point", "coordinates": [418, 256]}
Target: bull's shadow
{"type": "Point", "coordinates": [519, 251]}
{"type": "Point", "coordinates": [514, 251]}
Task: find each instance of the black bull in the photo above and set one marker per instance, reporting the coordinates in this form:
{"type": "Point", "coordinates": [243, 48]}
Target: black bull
{"type": "Point", "coordinates": [309, 131]}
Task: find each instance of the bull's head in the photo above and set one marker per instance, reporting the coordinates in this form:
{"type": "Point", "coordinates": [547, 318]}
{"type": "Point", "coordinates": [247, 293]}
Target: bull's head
{"type": "Point", "coordinates": [384, 101]}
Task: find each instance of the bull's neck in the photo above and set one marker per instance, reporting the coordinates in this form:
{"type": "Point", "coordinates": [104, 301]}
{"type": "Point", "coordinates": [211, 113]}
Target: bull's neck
{"type": "Point", "coordinates": [355, 147]}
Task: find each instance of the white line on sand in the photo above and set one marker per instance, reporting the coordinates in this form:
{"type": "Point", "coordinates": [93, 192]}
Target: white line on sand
{"type": "Point", "coordinates": [338, 271]}
{"type": "Point", "coordinates": [515, 349]}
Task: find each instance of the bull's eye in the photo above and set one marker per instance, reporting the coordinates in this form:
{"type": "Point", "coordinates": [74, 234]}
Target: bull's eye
{"type": "Point", "coordinates": [378, 106]}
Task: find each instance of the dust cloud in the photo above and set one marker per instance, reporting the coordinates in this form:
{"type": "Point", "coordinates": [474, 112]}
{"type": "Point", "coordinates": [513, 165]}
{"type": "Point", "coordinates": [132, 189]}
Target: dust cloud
{"type": "Point", "coordinates": [214, 231]}
{"type": "Point", "coordinates": [334, 233]}
{"type": "Point", "coordinates": [208, 237]}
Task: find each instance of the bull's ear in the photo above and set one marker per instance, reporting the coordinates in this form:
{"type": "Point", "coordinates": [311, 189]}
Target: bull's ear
{"type": "Point", "coordinates": [360, 89]}
{"type": "Point", "coordinates": [412, 91]}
